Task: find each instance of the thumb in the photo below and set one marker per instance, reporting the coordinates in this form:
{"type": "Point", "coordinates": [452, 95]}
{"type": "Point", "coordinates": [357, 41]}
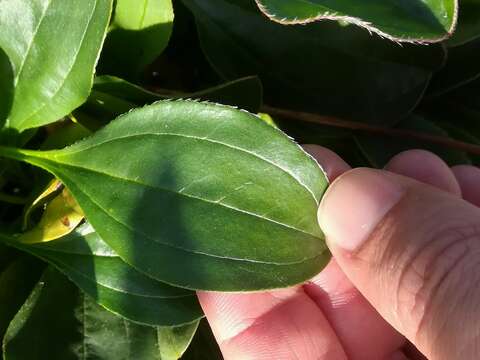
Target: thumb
{"type": "Point", "coordinates": [413, 252]}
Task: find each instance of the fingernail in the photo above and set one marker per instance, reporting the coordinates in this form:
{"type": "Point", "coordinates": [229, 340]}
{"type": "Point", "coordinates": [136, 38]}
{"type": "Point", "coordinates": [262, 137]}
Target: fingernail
{"type": "Point", "coordinates": [354, 205]}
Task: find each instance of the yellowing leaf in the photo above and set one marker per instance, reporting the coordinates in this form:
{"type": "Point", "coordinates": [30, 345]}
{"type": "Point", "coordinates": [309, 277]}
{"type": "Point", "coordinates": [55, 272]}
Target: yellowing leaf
{"type": "Point", "coordinates": [60, 217]}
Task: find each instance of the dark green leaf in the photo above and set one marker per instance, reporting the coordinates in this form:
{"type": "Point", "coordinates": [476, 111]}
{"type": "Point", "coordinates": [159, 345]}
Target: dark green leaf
{"type": "Point", "coordinates": [112, 96]}
{"type": "Point", "coordinates": [468, 27]}
{"type": "Point", "coordinates": [203, 346]}
{"type": "Point", "coordinates": [53, 57]}
{"type": "Point", "coordinates": [463, 62]}
{"type": "Point", "coordinates": [58, 322]}
{"type": "Point", "coordinates": [322, 67]}
{"type": "Point", "coordinates": [219, 201]}
{"type": "Point", "coordinates": [94, 267]}
{"type": "Point", "coordinates": [17, 278]}
{"type": "Point", "coordinates": [407, 20]}
{"type": "Point", "coordinates": [6, 87]}
{"type": "Point", "coordinates": [140, 31]}
{"type": "Point", "coordinates": [463, 66]}
{"type": "Point", "coordinates": [379, 150]}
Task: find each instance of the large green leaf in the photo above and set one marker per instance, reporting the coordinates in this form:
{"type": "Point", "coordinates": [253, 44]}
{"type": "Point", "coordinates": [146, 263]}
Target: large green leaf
{"type": "Point", "coordinates": [320, 67]}
{"type": "Point", "coordinates": [423, 21]}
{"type": "Point", "coordinates": [94, 267]}
{"type": "Point", "coordinates": [198, 195]}
{"type": "Point", "coordinates": [58, 322]}
{"type": "Point", "coordinates": [140, 31]}
{"type": "Point", "coordinates": [53, 46]}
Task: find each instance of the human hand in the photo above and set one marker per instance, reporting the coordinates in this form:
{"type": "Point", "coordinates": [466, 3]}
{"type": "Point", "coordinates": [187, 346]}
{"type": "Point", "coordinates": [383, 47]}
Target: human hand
{"type": "Point", "coordinates": [404, 274]}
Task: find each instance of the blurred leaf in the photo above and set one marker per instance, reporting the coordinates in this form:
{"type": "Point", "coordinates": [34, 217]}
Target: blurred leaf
{"type": "Point", "coordinates": [463, 66]}
{"type": "Point", "coordinates": [380, 149]}
{"type": "Point", "coordinates": [58, 322]}
{"type": "Point", "coordinates": [463, 61]}
{"type": "Point", "coordinates": [321, 67]}
{"type": "Point", "coordinates": [6, 87]}
{"type": "Point", "coordinates": [173, 341]}
{"type": "Point", "coordinates": [65, 134]}
{"type": "Point", "coordinates": [468, 28]}
{"type": "Point", "coordinates": [140, 31]}
{"type": "Point", "coordinates": [96, 269]}
{"type": "Point", "coordinates": [17, 279]}
{"type": "Point", "coordinates": [407, 20]}
{"type": "Point", "coordinates": [53, 57]}
{"type": "Point", "coordinates": [112, 96]}
{"type": "Point", "coordinates": [203, 346]}
{"type": "Point", "coordinates": [214, 222]}
{"type": "Point", "coordinates": [460, 131]}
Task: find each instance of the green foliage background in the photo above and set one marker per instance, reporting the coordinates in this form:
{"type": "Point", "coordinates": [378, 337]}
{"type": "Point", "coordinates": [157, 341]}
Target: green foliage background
{"type": "Point", "coordinates": [366, 81]}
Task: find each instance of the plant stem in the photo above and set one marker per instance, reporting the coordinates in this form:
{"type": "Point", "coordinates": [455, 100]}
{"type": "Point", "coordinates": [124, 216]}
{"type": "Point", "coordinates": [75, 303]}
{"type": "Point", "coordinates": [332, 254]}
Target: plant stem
{"type": "Point", "coordinates": [373, 129]}
{"type": "Point", "coordinates": [18, 154]}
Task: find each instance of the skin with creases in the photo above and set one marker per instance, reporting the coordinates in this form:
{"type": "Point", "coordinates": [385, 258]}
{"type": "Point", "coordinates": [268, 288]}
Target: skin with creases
{"type": "Point", "coordinates": [385, 295]}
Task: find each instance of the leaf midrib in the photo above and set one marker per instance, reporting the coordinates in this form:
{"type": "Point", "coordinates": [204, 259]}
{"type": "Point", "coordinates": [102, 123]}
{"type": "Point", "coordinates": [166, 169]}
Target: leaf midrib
{"type": "Point", "coordinates": [216, 203]}
{"type": "Point", "coordinates": [68, 152]}
{"type": "Point", "coordinates": [189, 250]}
{"type": "Point", "coordinates": [67, 74]}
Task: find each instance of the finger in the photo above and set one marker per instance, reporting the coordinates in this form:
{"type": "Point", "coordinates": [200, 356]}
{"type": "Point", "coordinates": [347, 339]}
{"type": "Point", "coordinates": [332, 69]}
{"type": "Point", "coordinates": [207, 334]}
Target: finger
{"type": "Point", "coordinates": [364, 334]}
{"type": "Point", "coordinates": [426, 167]}
{"type": "Point", "coordinates": [332, 164]}
{"type": "Point", "coordinates": [412, 252]}
{"type": "Point", "coordinates": [469, 179]}
{"type": "Point", "coordinates": [283, 324]}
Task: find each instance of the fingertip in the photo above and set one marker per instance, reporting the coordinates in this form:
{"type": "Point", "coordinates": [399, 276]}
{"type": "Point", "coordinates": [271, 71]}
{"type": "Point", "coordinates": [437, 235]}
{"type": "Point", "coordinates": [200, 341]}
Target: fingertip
{"type": "Point", "coordinates": [468, 178]}
{"type": "Point", "coordinates": [426, 167]}
{"type": "Point", "coordinates": [330, 162]}
{"type": "Point", "coordinates": [354, 204]}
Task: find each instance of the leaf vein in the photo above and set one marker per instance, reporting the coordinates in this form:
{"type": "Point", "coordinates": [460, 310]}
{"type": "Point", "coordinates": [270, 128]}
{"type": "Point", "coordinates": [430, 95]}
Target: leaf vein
{"type": "Point", "coordinates": [196, 252]}
{"type": "Point", "coordinates": [234, 147]}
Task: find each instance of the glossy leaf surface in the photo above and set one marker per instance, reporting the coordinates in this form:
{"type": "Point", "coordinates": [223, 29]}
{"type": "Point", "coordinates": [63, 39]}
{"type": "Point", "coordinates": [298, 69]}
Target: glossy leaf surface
{"type": "Point", "coordinates": [58, 322]}
{"type": "Point", "coordinates": [94, 267]}
{"type": "Point", "coordinates": [220, 200]}
{"type": "Point", "coordinates": [407, 20]}
{"type": "Point", "coordinates": [146, 26]}
{"type": "Point", "coordinates": [295, 63]}
{"type": "Point", "coordinates": [53, 63]}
